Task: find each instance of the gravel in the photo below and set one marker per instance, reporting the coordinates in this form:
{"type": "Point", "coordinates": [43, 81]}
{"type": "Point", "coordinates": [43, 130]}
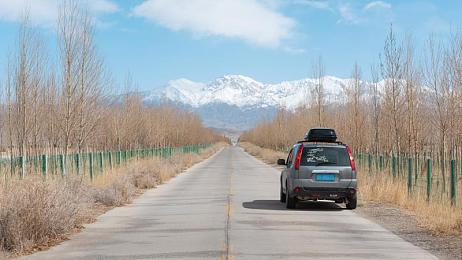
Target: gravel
{"type": "Point", "coordinates": [404, 224]}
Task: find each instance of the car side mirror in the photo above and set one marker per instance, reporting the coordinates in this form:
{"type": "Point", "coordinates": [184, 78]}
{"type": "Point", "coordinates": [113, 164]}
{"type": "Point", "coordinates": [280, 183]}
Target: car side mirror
{"type": "Point", "coordinates": [281, 162]}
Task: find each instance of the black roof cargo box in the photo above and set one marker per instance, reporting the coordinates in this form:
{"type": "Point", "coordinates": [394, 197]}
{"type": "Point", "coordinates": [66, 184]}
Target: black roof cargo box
{"type": "Point", "coordinates": [327, 135]}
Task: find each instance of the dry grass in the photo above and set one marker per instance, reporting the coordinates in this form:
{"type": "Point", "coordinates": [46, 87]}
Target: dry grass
{"type": "Point", "coordinates": [267, 155]}
{"type": "Point", "coordinates": [34, 212]}
{"type": "Point", "coordinates": [437, 216]}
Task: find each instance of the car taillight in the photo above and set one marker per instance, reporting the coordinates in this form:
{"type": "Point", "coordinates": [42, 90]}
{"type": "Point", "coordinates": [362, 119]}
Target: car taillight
{"type": "Point", "coordinates": [352, 160]}
{"type": "Point", "coordinates": [298, 158]}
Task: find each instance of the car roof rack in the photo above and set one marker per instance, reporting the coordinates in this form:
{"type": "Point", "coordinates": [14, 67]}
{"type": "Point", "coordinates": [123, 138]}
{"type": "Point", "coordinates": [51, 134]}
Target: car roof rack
{"type": "Point", "coordinates": [316, 142]}
{"type": "Point", "coordinates": [321, 134]}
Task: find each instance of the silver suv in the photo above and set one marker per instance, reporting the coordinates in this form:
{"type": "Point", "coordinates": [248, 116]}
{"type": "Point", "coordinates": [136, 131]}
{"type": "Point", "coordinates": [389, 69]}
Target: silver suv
{"type": "Point", "coordinates": [319, 168]}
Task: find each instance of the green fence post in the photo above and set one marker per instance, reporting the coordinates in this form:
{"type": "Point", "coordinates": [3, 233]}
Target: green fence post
{"type": "Point", "coordinates": [409, 175]}
{"type": "Point", "coordinates": [12, 166]}
{"type": "Point", "coordinates": [429, 179]}
{"type": "Point", "coordinates": [453, 183]}
{"type": "Point", "coordinates": [77, 162]}
{"type": "Point", "coordinates": [416, 169]}
{"type": "Point", "coordinates": [381, 162]}
{"type": "Point", "coordinates": [44, 165]}
{"type": "Point", "coordinates": [91, 166]}
{"type": "Point", "coordinates": [369, 163]}
{"type": "Point", "coordinates": [393, 166]}
{"type": "Point", "coordinates": [110, 160]}
{"type": "Point", "coordinates": [62, 165]}
{"type": "Point", "coordinates": [101, 165]}
{"type": "Point", "coordinates": [21, 165]}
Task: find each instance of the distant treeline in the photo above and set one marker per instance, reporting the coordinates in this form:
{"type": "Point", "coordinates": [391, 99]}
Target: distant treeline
{"type": "Point", "coordinates": [67, 103]}
{"type": "Point", "coordinates": [413, 104]}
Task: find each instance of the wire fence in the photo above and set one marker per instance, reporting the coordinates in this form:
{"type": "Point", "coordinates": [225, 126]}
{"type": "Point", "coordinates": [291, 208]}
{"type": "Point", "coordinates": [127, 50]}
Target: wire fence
{"type": "Point", "coordinates": [89, 164]}
{"type": "Point", "coordinates": [438, 180]}
{"type": "Point", "coordinates": [425, 175]}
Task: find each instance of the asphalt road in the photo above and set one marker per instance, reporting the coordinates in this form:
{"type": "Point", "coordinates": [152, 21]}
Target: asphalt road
{"type": "Point", "coordinates": [227, 208]}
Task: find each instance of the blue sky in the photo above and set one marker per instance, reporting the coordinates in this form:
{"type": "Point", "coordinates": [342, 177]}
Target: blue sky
{"type": "Point", "coordinates": [269, 40]}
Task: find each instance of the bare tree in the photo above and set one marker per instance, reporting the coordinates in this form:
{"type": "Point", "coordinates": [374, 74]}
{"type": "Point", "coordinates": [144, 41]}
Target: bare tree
{"type": "Point", "coordinates": [67, 107]}
{"type": "Point", "coordinates": [92, 83]}
{"type": "Point", "coordinates": [412, 83]}
{"type": "Point", "coordinates": [318, 89]}
{"type": "Point", "coordinates": [453, 69]}
{"type": "Point", "coordinates": [375, 102]}
{"type": "Point", "coordinates": [70, 47]}
{"type": "Point", "coordinates": [392, 72]}
{"type": "Point", "coordinates": [26, 80]}
{"type": "Point", "coordinates": [436, 79]}
{"type": "Point", "coordinates": [354, 94]}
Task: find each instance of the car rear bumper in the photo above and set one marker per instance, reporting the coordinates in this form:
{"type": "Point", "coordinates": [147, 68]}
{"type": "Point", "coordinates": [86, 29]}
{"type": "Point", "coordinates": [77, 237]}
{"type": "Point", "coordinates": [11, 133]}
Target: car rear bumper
{"type": "Point", "coordinates": [316, 193]}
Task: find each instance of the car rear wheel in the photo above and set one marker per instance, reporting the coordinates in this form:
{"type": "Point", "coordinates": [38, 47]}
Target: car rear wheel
{"type": "Point", "coordinates": [282, 195]}
{"type": "Point", "coordinates": [351, 202]}
{"type": "Point", "coordinates": [290, 201]}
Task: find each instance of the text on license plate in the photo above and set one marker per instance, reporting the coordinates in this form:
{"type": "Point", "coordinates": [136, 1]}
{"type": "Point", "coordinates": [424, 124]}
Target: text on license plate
{"type": "Point", "coordinates": [325, 177]}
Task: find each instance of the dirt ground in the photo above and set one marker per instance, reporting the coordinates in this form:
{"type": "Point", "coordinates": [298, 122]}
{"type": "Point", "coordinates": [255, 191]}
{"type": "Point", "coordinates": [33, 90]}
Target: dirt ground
{"type": "Point", "coordinates": [404, 224]}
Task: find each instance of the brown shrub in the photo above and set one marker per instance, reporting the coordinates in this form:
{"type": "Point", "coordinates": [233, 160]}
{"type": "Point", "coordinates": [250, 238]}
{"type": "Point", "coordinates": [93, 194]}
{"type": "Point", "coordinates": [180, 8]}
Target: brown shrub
{"type": "Point", "coordinates": [33, 211]}
{"type": "Point", "coordinates": [117, 193]}
{"type": "Point", "coordinates": [268, 155]}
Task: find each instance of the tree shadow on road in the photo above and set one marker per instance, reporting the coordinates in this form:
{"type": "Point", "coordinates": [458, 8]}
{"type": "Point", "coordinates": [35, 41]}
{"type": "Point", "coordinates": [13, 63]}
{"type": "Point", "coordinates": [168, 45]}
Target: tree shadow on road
{"type": "Point", "coordinates": [301, 206]}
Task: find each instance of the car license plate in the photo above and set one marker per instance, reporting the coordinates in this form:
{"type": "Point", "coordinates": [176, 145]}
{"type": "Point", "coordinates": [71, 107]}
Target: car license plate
{"type": "Point", "coordinates": [325, 177]}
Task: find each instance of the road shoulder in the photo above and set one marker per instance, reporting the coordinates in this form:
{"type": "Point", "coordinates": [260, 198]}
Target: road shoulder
{"type": "Point", "coordinates": [405, 225]}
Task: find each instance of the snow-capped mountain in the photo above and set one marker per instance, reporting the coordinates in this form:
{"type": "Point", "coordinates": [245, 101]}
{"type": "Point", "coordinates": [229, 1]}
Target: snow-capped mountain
{"type": "Point", "coordinates": [242, 91]}
{"type": "Point", "coordinates": [238, 102]}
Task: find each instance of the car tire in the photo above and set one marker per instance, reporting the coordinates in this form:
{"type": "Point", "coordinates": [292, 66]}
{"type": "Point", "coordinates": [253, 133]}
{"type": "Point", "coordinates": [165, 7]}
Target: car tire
{"type": "Point", "coordinates": [282, 195]}
{"type": "Point", "coordinates": [352, 202]}
{"type": "Point", "coordinates": [291, 202]}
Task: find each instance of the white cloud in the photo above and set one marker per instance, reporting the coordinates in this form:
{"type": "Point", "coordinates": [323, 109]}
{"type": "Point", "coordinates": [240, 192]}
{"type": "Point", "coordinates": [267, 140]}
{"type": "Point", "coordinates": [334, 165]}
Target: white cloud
{"type": "Point", "coordinates": [318, 4]}
{"type": "Point", "coordinates": [103, 6]}
{"type": "Point", "coordinates": [377, 4]}
{"type": "Point", "coordinates": [45, 12]}
{"type": "Point", "coordinates": [40, 12]}
{"type": "Point", "coordinates": [348, 14]}
{"type": "Point", "coordinates": [249, 20]}
{"type": "Point", "coordinates": [353, 14]}
{"type": "Point", "coordinates": [294, 50]}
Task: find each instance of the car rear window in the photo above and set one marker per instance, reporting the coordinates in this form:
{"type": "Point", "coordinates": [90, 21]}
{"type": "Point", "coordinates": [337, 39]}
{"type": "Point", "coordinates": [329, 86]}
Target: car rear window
{"type": "Point", "coordinates": [325, 156]}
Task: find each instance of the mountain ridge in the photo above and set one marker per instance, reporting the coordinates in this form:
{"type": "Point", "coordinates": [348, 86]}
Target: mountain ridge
{"type": "Point", "coordinates": [237, 98]}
